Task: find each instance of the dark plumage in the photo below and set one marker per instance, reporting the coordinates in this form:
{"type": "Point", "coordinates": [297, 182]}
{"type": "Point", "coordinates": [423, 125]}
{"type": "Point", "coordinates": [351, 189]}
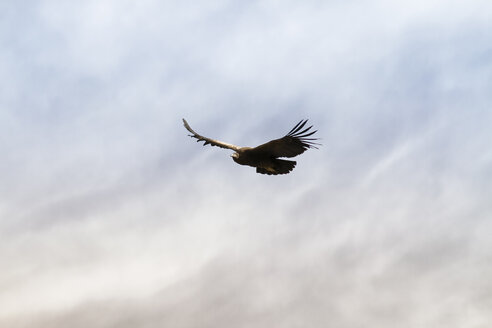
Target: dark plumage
{"type": "Point", "coordinates": [265, 157]}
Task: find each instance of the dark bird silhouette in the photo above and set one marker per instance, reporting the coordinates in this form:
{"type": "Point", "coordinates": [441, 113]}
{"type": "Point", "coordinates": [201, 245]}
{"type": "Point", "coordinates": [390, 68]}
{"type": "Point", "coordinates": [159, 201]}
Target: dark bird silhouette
{"type": "Point", "coordinates": [265, 157]}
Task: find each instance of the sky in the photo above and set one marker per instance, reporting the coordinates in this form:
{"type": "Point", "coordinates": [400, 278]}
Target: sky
{"type": "Point", "coordinates": [111, 216]}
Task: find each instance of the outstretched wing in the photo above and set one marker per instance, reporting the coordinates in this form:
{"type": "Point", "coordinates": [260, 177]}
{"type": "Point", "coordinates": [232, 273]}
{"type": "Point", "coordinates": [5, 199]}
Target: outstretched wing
{"type": "Point", "coordinates": [294, 143]}
{"type": "Point", "coordinates": [207, 141]}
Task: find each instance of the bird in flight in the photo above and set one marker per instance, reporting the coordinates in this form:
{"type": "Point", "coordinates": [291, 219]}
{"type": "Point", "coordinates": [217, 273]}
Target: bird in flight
{"type": "Point", "coordinates": [266, 157]}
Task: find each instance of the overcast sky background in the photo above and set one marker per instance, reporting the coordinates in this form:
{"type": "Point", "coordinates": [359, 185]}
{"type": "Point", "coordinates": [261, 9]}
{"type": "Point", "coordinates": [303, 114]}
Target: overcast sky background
{"type": "Point", "coordinates": [111, 216]}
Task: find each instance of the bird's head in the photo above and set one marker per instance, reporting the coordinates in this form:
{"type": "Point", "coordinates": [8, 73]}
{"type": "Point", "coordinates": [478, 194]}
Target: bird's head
{"type": "Point", "coordinates": [235, 157]}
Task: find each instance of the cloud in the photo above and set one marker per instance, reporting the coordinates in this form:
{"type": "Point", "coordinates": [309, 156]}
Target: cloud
{"type": "Point", "coordinates": [112, 216]}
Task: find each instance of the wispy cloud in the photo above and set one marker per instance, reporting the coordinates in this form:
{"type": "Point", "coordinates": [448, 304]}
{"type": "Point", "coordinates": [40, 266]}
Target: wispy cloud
{"type": "Point", "coordinates": [112, 217]}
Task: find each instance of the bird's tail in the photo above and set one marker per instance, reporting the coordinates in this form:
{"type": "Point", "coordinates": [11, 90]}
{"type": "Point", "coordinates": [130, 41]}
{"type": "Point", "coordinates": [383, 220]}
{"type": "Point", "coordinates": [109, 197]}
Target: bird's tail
{"type": "Point", "coordinates": [280, 166]}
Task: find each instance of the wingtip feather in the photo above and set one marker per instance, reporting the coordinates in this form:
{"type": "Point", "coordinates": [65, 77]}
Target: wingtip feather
{"type": "Point", "coordinates": [295, 127]}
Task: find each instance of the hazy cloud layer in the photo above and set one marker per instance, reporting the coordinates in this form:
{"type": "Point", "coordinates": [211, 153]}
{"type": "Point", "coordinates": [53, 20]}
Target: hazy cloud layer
{"type": "Point", "coordinates": [110, 216]}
